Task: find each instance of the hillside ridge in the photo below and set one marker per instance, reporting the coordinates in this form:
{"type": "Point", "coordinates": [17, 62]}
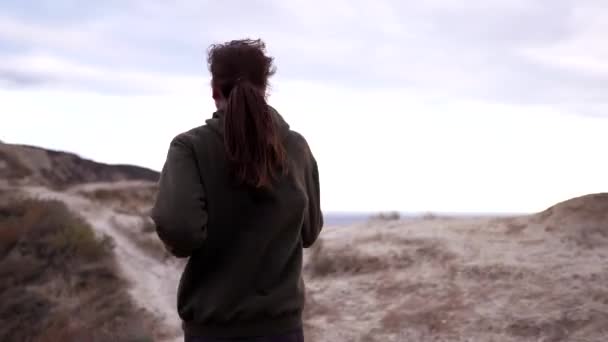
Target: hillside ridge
{"type": "Point", "coordinates": [33, 165]}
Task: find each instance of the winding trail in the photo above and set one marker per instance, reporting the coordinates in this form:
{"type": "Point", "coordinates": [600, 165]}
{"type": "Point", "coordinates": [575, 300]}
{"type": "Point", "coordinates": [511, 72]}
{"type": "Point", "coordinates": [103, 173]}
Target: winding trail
{"type": "Point", "coordinates": [153, 283]}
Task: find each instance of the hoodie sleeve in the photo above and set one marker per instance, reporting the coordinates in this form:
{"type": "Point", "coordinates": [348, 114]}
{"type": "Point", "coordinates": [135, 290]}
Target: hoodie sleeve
{"type": "Point", "coordinates": [179, 212]}
{"type": "Point", "coordinates": [314, 223]}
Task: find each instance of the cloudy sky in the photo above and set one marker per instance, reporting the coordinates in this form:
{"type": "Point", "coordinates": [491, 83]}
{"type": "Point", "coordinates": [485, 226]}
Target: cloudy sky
{"type": "Point", "coordinates": [438, 105]}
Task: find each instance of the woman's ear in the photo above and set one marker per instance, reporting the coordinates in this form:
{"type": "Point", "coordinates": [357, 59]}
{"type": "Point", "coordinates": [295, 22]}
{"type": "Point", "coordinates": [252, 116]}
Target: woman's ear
{"type": "Point", "coordinates": [220, 101]}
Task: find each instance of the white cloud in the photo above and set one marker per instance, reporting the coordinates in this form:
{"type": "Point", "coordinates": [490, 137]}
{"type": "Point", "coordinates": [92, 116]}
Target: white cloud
{"type": "Point", "coordinates": [435, 105]}
{"type": "Point", "coordinates": [487, 50]}
{"type": "Point", "coordinates": [36, 36]}
{"type": "Point", "coordinates": [584, 51]}
{"type": "Point", "coordinates": [45, 69]}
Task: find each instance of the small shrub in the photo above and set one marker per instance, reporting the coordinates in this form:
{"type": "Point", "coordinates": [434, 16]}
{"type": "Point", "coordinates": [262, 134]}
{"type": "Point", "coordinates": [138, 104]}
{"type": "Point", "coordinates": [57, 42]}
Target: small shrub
{"type": "Point", "coordinates": [324, 262]}
{"type": "Point", "coordinates": [134, 200]}
{"type": "Point", "coordinates": [429, 216]}
{"type": "Point", "coordinates": [9, 236]}
{"type": "Point", "coordinates": [144, 236]}
{"type": "Point", "coordinates": [388, 216]}
{"type": "Point", "coordinates": [13, 167]}
{"type": "Point", "coordinates": [78, 240]}
{"type": "Point", "coordinates": [148, 225]}
{"type": "Point", "coordinates": [60, 281]}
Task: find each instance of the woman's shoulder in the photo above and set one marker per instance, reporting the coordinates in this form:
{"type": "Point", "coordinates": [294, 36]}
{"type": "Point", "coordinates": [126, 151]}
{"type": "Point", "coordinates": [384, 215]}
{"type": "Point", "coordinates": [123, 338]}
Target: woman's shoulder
{"type": "Point", "coordinates": [195, 134]}
{"type": "Point", "coordinates": [296, 138]}
{"type": "Point", "coordinates": [298, 148]}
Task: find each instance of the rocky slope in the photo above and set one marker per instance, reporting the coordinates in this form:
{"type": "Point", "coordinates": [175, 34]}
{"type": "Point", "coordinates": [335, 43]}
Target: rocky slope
{"type": "Point", "coordinates": [28, 165]}
{"type": "Point", "coordinates": [114, 201]}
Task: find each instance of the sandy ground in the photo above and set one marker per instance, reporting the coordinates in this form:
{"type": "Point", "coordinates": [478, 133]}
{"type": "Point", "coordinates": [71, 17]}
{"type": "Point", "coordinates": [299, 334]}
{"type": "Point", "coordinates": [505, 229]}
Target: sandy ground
{"type": "Point", "coordinates": [521, 279]}
{"type": "Point", "coordinates": [537, 278]}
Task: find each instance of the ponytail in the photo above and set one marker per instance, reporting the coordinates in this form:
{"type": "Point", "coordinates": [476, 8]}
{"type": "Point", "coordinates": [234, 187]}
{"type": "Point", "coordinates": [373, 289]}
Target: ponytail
{"type": "Point", "coordinates": [251, 139]}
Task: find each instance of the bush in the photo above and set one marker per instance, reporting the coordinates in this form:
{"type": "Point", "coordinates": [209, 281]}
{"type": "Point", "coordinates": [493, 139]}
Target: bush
{"type": "Point", "coordinates": [59, 280]}
{"type": "Point", "coordinates": [148, 225]}
{"type": "Point", "coordinates": [325, 262]}
{"type": "Point", "coordinates": [135, 200]}
{"type": "Point", "coordinates": [11, 167]}
{"type": "Point", "coordinates": [388, 216]}
{"type": "Point", "coordinates": [48, 229]}
{"type": "Point", "coordinates": [144, 236]}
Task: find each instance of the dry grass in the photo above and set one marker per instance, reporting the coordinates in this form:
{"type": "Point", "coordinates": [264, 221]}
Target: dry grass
{"type": "Point", "coordinates": [341, 262]}
{"type": "Point", "coordinates": [580, 222]}
{"type": "Point", "coordinates": [11, 167]}
{"type": "Point", "coordinates": [60, 281]}
{"type": "Point", "coordinates": [135, 200]}
{"type": "Point", "coordinates": [386, 216]}
{"type": "Point", "coordinates": [143, 234]}
{"type": "Point", "coordinates": [505, 279]}
{"type": "Point", "coordinates": [349, 260]}
{"type": "Point", "coordinates": [514, 225]}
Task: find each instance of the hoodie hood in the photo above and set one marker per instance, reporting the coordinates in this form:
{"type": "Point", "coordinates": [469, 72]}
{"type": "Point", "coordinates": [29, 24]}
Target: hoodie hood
{"type": "Point", "coordinates": [216, 123]}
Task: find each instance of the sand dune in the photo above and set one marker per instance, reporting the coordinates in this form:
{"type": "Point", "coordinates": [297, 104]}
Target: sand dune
{"type": "Point", "coordinates": [536, 278]}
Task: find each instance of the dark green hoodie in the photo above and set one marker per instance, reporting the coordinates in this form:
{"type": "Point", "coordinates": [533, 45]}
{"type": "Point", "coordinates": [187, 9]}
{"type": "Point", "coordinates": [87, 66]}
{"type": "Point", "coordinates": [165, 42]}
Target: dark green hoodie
{"type": "Point", "coordinates": [244, 273]}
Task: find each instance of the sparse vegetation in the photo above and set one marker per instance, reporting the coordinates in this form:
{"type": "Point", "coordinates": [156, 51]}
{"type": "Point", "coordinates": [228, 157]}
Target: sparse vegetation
{"type": "Point", "coordinates": [429, 216]}
{"type": "Point", "coordinates": [60, 281]}
{"type": "Point", "coordinates": [387, 216]}
{"type": "Point", "coordinates": [11, 167]}
{"type": "Point", "coordinates": [60, 170]}
{"type": "Point", "coordinates": [147, 225]}
{"type": "Point", "coordinates": [464, 279]}
{"type": "Point", "coordinates": [351, 261]}
{"type": "Point", "coordinates": [129, 200]}
{"type": "Point", "coordinates": [143, 234]}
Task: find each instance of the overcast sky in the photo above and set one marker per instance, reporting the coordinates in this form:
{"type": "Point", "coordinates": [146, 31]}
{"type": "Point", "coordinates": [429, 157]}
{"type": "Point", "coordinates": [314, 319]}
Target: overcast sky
{"type": "Point", "coordinates": [438, 105]}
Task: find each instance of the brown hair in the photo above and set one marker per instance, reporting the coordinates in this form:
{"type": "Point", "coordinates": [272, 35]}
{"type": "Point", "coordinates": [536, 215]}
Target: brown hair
{"type": "Point", "coordinates": [240, 70]}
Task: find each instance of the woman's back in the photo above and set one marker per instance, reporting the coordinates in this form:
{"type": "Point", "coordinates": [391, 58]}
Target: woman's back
{"type": "Point", "coordinates": [243, 236]}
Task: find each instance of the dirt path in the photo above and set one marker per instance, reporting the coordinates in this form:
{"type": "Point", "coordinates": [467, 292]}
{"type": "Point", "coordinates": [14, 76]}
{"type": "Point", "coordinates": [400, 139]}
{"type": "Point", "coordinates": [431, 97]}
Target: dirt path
{"type": "Point", "coordinates": [153, 283]}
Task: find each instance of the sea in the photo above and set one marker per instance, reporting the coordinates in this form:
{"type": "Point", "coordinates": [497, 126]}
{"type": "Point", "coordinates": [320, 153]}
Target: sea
{"type": "Point", "coordinates": [349, 218]}
{"type": "Point", "coordinates": [345, 219]}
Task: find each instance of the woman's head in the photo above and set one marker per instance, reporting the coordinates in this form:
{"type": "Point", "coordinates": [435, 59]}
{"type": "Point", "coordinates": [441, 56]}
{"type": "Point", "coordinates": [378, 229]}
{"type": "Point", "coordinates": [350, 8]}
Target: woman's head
{"type": "Point", "coordinates": [238, 60]}
{"type": "Point", "coordinates": [240, 70]}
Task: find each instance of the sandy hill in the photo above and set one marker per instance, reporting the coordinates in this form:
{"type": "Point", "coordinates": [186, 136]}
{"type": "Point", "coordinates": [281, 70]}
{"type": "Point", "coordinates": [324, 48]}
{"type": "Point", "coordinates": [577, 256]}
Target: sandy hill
{"type": "Point", "coordinates": [33, 165]}
{"type": "Point", "coordinates": [589, 209]}
{"type": "Point", "coordinates": [112, 201]}
{"type": "Point", "coordinates": [541, 277]}
{"type": "Point", "coordinates": [60, 280]}
{"type": "Point", "coordinates": [582, 221]}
